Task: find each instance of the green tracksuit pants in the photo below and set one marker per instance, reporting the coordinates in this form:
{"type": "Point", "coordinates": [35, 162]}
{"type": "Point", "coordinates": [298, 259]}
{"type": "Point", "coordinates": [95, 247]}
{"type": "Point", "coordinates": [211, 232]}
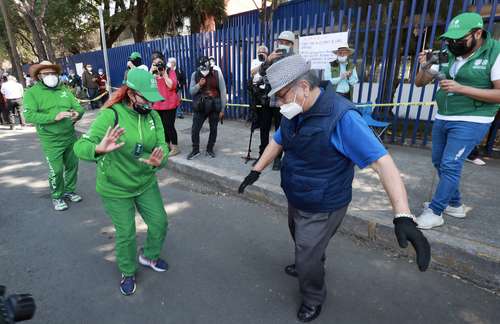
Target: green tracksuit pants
{"type": "Point", "coordinates": [63, 166]}
{"type": "Point", "coordinates": [149, 204]}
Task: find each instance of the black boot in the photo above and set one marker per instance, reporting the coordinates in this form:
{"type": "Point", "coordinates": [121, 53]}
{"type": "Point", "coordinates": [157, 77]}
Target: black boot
{"type": "Point", "coordinates": [308, 313]}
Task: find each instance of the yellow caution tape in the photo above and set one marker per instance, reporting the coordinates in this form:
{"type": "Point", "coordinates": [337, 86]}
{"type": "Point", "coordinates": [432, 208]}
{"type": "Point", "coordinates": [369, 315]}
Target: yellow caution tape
{"type": "Point", "coordinates": [95, 99]}
{"type": "Point", "coordinates": [394, 104]}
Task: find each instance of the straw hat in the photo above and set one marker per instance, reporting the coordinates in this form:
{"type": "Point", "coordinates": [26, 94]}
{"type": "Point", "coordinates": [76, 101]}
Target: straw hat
{"type": "Point", "coordinates": [35, 69]}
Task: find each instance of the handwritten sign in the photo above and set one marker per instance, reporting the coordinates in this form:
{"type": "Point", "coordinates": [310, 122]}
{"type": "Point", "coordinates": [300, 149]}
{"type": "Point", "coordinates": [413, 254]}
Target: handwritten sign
{"type": "Point", "coordinates": [319, 48]}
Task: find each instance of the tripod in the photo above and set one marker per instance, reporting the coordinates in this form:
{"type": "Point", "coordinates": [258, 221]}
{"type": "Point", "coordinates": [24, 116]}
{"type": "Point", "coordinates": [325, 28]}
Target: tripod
{"type": "Point", "coordinates": [248, 157]}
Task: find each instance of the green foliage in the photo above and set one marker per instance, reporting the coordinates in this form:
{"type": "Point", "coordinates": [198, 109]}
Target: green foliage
{"type": "Point", "coordinates": [166, 16]}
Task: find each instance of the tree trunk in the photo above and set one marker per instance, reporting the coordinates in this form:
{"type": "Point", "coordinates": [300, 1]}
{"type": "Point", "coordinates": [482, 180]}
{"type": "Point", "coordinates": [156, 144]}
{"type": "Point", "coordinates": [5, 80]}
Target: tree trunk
{"type": "Point", "coordinates": [40, 48]}
{"type": "Point", "coordinates": [14, 55]}
{"type": "Point", "coordinates": [139, 30]}
{"type": "Point", "coordinates": [49, 49]}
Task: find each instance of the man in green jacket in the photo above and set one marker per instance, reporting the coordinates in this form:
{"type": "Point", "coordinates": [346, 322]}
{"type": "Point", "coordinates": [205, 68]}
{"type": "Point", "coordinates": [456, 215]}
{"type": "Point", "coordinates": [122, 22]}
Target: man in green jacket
{"type": "Point", "coordinates": [468, 99]}
{"type": "Point", "coordinates": [53, 109]}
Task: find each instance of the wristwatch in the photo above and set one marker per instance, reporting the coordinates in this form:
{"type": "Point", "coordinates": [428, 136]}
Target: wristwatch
{"type": "Point", "coordinates": [399, 215]}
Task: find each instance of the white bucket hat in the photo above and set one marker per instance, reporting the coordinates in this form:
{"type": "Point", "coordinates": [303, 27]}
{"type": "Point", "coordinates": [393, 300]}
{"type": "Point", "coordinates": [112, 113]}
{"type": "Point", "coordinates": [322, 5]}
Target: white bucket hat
{"type": "Point", "coordinates": [285, 71]}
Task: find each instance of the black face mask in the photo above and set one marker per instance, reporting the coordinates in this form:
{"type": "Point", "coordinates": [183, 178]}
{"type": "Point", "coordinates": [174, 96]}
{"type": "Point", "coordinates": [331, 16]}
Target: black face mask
{"type": "Point", "coordinates": [460, 48]}
{"type": "Point", "coordinates": [142, 109]}
{"type": "Point", "coordinates": [136, 62]}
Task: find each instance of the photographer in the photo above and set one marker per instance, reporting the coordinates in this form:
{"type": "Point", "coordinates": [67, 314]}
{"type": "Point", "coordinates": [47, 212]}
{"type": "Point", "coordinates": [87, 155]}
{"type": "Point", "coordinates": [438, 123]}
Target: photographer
{"type": "Point", "coordinates": [209, 100]}
{"type": "Point", "coordinates": [134, 61]}
{"type": "Point", "coordinates": [166, 79]}
{"type": "Point", "coordinates": [467, 102]}
{"type": "Point", "coordinates": [89, 81]}
{"type": "Point", "coordinates": [259, 90]}
{"type": "Point", "coordinates": [181, 82]}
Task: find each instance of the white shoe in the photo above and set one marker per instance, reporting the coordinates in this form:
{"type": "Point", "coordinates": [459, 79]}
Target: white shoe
{"type": "Point", "coordinates": [476, 161]}
{"type": "Point", "coordinates": [458, 212]}
{"type": "Point", "coordinates": [72, 197]}
{"type": "Point", "coordinates": [428, 219]}
{"type": "Point", "coordinates": [59, 204]}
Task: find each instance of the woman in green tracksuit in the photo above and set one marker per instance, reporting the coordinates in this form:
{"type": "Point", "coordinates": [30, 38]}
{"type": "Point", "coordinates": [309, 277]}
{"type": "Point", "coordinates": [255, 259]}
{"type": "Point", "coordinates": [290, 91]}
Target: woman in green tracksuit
{"type": "Point", "coordinates": [128, 143]}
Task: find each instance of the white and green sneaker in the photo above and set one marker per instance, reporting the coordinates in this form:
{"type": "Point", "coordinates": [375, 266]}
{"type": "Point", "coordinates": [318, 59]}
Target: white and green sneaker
{"type": "Point", "coordinates": [73, 197]}
{"type": "Point", "coordinates": [59, 204]}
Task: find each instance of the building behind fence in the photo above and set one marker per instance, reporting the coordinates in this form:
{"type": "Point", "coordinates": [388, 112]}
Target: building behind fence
{"type": "Point", "coordinates": [387, 38]}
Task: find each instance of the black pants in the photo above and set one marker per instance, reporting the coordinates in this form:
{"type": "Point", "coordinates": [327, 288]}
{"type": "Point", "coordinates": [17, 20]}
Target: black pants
{"type": "Point", "coordinates": [168, 121]}
{"type": "Point", "coordinates": [15, 107]}
{"type": "Point", "coordinates": [266, 115]}
{"type": "Point", "coordinates": [92, 94]}
{"type": "Point", "coordinates": [198, 120]}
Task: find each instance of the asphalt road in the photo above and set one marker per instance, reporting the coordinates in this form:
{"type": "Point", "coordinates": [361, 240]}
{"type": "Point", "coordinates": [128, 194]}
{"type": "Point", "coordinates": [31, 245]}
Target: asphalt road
{"type": "Point", "coordinates": [226, 254]}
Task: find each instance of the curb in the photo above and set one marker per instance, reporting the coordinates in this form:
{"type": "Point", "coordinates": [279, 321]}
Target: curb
{"type": "Point", "coordinates": [467, 259]}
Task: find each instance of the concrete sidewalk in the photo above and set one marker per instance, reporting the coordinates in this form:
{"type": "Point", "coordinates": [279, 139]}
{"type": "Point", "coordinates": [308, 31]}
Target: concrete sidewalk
{"type": "Point", "coordinates": [469, 248]}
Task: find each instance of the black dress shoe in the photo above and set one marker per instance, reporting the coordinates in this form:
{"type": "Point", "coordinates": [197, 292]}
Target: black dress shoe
{"type": "Point", "coordinates": [291, 271]}
{"type": "Point", "coordinates": [308, 313]}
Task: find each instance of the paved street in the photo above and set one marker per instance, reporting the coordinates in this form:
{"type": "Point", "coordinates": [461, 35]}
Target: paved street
{"type": "Point", "coordinates": [226, 256]}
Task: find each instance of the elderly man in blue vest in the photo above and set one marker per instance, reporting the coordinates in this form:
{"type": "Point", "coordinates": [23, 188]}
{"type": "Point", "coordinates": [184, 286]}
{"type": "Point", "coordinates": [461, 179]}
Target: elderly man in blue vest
{"type": "Point", "coordinates": [323, 138]}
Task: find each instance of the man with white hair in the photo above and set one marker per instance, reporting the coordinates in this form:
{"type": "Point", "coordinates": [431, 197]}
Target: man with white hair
{"type": "Point", "coordinates": [323, 138]}
{"type": "Point", "coordinates": [13, 92]}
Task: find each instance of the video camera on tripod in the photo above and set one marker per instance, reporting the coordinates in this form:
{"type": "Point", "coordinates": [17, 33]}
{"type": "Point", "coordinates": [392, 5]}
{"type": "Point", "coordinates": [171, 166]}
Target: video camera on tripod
{"type": "Point", "coordinates": [16, 307]}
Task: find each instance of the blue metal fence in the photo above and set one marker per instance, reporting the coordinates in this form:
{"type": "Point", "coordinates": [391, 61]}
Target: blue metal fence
{"type": "Point", "coordinates": [386, 37]}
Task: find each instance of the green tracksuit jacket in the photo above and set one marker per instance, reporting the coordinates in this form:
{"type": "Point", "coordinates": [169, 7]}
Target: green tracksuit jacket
{"type": "Point", "coordinates": [120, 174]}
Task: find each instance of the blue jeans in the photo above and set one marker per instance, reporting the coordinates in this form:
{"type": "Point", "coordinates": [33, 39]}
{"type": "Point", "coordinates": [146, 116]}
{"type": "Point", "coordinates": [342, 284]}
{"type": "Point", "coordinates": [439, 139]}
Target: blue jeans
{"type": "Point", "coordinates": [452, 142]}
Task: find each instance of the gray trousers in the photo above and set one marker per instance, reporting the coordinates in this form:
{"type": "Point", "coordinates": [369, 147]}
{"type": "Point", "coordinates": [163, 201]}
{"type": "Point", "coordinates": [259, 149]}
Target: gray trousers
{"type": "Point", "coordinates": [312, 233]}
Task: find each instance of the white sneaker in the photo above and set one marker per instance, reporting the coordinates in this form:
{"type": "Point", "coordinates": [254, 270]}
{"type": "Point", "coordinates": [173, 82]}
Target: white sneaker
{"type": "Point", "coordinates": [72, 197]}
{"type": "Point", "coordinates": [458, 212]}
{"type": "Point", "coordinates": [428, 219]}
{"type": "Point", "coordinates": [476, 161]}
{"type": "Point", "coordinates": [59, 204]}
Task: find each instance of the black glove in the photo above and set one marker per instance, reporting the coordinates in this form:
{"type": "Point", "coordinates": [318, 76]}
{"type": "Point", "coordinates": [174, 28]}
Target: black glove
{"type": "Point", "coordinates": [250, 179]}
{"type": "Point", "coordinates": [406, 230]}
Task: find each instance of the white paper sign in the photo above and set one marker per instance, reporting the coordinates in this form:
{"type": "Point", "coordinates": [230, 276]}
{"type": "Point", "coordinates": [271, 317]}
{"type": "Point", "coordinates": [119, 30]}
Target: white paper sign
{"type": "Point", "coordinates": [79, 68]}
{"type": "Point", "coordinates": [319, 48]}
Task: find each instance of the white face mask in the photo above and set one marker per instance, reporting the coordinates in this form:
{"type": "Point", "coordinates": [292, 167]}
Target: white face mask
{"type": "Point", "coordinates": [50, 81]}
{"type": "Point", "coordinates": [285, 47]}
{"type": "Point", "coordinates": [169, 65]}
{"type": "Point", "coordinates": [342, 59]}
{"type": "Point", "coordinates": [291, 109]}
{"type": "Point", "coordinates": [204, 72]}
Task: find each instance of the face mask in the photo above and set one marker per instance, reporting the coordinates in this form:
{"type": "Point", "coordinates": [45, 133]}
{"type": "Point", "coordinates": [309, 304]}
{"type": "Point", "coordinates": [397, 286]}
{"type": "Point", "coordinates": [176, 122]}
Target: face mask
{"type": "Point", "coordinates": [212, 63]}
{"type": "Point", "coordinates": [204, 72]}
{"type": "Point", "coordinates": [89, 69]}
{"type": "Point", "coordinates": [342, 59]}
{"type": "Point", "coordinates": [292, 109]}
{"type": "Point", "coordinates": [169, 65]}
{"type": "Point", "coordinates": [142, 109]}
{"type": "Point", "coordinates": [284, 47]}
{"type": "Point", "coordinates": [460, 48]}
{"type": "Point", "coordinates": [50, 81]}
{"type": "Point", "coordinates": [136, 62]}
{"type": "Point", "coordinates": [101, 73]}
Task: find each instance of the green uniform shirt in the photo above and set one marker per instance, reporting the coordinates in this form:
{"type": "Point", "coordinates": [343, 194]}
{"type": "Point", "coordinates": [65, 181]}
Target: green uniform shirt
{"type": "Point", "coordinates": [42, 104]}
{"type": "Point", "coordinates": [474, 73]}
{"type": "Point", "coordinates": [120, 174]}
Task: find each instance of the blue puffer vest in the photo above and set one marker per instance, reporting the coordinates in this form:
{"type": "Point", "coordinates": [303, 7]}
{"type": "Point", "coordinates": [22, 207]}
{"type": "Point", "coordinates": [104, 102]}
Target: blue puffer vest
{"type": "Point", "coordinates": [315, 176]}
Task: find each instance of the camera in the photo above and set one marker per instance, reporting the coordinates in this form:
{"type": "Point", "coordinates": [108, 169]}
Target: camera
{"type": "Point", "coordinates": [160, 66]}
{"type": "Point", "coordinates": [437, 57]}
{"type": "Point", "coordinates": [16, 307]}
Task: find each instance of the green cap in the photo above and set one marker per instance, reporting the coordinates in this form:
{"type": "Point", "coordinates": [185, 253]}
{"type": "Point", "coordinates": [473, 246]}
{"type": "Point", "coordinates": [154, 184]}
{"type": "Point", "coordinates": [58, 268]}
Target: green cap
{"type": "Point", "coordinates": [144, 83]}
{"type": "Point", "coordinates": [462, 24]}
{"type": "Point", "coordinates": [135, 55]}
